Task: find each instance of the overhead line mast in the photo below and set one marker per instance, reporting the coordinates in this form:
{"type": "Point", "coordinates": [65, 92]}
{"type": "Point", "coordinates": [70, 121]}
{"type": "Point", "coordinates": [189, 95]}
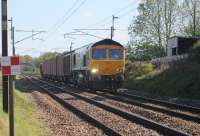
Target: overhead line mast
{"type": "Point", "coordinates": [113, 26]}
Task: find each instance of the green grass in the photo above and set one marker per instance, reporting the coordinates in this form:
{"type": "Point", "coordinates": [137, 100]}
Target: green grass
{"type": "Point", "coordinates": [26, 117]}
{"type": "Point", "coordinates": [181, 81]}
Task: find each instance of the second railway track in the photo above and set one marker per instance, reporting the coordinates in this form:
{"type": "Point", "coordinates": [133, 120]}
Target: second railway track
{"type": "Point", "coordinates": [176, 106]}
{"type": "Point", "coordinates": [160, 128]}
{"type": "Point", "coordinates": [171, 112]}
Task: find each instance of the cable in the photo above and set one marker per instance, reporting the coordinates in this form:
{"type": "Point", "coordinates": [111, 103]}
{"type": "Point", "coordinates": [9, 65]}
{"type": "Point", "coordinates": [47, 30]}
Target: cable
{"type": "Point", "coordinates": [93, 29]}
{"type": "Point", "coordinates": [108, 17]}
{"type": "Point", "coordinates": [28, 31]}
{"type": "Point", "coordinates": [120, 16]}
{"type": "Point", "coordinates": [126, 13]}
{"type": "Point", "coordinates": [27, 50]}
{"type": "Point", "coordinates": [68, 17]}
{"type": "Point", "coordinates": [28, 37]}
{"type": "Point", "coordinates": [78, 32]}
{"type": "Point", "coordinates": [91, 34]}
{"type": "Point", "coordinates": [73, 10]}
{"type": "Point", "coordinates": [64, 16]}
{"type": "Point", "coordinates": [81, 4]}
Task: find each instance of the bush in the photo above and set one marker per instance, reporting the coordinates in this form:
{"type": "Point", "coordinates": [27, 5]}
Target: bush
{"type": "Point", "coordinates": [147, 68]}
{"type": "Point", "coordinates": [134, 70]}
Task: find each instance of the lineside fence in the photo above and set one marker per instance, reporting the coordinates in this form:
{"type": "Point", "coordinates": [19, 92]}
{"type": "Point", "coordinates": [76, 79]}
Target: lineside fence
{"type": "Point", "coordinates": [169, 61]}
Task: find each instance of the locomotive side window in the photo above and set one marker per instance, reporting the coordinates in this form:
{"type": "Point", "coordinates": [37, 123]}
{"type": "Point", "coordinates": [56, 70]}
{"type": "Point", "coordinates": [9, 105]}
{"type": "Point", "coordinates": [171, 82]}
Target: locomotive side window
{"type": "Point", "coordinates": [99, 54]}
{"type": "Point", "coordinates": [115, 54]}
{"type": "Point", "coordinates": [74, 59]}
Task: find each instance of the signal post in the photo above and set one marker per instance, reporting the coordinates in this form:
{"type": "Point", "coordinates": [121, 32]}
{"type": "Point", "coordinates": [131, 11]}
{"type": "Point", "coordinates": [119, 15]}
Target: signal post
{"type": "Point", "coordinates": [11, 67]}
{"type": "Point", "coordinates": [4, 53]}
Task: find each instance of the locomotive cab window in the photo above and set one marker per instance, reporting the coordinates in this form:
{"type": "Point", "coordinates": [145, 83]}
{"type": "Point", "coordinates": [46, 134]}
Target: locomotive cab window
{"type": "Point", "coordinates": [99, 54]}
{"type": "Point", "coordinates": [115, 54]}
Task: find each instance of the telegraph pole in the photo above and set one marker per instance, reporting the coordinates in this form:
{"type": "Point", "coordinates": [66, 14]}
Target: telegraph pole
{"type": "Point", "coordinates": [113, 26]}
{"type": "Point", "coordinates": [11, 86]}
{"type": "Point", "coordinates": [11, 105]}
{"type": "Point", "coordinates": [4, 52]}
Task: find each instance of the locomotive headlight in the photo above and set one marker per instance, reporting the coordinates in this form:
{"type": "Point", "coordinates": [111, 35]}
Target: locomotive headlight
{"type": "Point", "coordinates": [118, 70]}
{"type": "Point", "coordinates": [94, 71]}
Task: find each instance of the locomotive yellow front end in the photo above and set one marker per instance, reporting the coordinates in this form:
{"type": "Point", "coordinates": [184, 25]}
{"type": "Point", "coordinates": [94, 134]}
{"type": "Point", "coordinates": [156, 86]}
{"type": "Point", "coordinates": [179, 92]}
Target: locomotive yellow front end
{"type": "Point", "coordinates": [107, 64]}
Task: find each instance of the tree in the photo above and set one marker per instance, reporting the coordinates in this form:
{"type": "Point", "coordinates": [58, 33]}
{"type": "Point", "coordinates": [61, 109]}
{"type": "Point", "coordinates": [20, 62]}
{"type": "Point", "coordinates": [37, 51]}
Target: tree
{"type": "Point", "coordinates": [130, 52]}
{"type": "Point", "coordinates": [170, 12]}
{"type": "Point", "coordinates": [156, 21]}
{"type": "Point", "coordinates": [26, 59]}
{"type": "Point", "coordinates": [46, 56]}
{"type": "Point", "coordinates": [144, 51]}
{"type": "Point", "coordinates": [27, 63]}
{"type": "Point", "coordinates": [191, 17]}
{"type": "Point", "coordinates": [153, 26]}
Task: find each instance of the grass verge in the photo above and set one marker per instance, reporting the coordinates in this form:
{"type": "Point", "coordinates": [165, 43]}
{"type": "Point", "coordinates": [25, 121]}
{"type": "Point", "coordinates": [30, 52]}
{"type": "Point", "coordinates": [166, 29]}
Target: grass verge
{"type": "Point", "coordinates": [26, 118]}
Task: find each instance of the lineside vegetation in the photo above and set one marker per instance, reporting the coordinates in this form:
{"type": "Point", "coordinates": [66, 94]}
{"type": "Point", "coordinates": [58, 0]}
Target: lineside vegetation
{"type": "Point", "coordinates": [181, 80]}
{"type": "Point", "coordinates": [26, 118]}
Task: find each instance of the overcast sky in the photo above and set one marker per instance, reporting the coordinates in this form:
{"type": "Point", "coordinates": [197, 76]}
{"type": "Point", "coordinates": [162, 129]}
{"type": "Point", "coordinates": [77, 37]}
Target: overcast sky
{"type": "Point", "coordinates": [53, 16]}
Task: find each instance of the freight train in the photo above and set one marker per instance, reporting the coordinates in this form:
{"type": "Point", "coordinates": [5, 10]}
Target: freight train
{"type": "Point", "coordinates": [99, 65]}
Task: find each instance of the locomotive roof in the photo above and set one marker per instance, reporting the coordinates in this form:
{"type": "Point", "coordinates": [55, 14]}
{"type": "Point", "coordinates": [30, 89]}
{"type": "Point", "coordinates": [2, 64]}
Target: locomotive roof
{"type": "Point", "coordinates": [67, 52]}
{"type": "Point", "coordinates": [102, 42]}
{"type": "Point", "coordinates": [107, 42]}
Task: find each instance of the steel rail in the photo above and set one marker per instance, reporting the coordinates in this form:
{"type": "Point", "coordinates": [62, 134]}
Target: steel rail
{"type": "Point", "coordinates": [170, 112]}
{"type": "Point", "coordinates": [124, 114]}
{"type": "Point", "coordinates": [150, 107]}
{"type": "Point", "coordinates": [164, 103]}
{"type": "Point", "coordinates": [79, 113]}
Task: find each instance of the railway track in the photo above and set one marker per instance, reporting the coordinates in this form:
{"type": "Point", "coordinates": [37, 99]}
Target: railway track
{"type": "Point", "coordinates": [169, 105]}
{"type": "Point", "coordinates": [163, 103]}
{"type": "Point", "coordinates": [168, 109]}
{"type": "Point", "coordinates": [122, 113]}
{"type": "Point", "coordinates": [176, 119]}
{"type": "Point", "coordinates": [150, 107]}
{"type": "Point", "coordinates": [48, 89]}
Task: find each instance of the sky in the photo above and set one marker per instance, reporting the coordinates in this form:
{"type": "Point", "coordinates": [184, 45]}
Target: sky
{"type": "Point", "coordinates": [56, 18]}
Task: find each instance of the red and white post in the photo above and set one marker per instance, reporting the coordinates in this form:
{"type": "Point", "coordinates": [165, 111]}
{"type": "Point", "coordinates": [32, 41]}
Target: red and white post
{"type": "Point", "coordinates": [11, 67]}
